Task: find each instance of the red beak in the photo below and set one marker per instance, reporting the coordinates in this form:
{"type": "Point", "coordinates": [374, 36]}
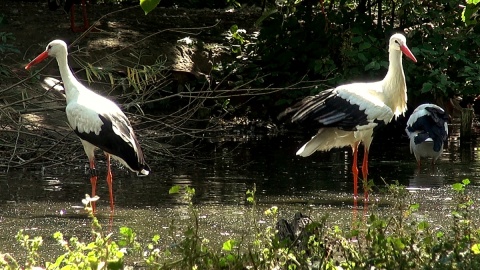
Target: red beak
{"type": "Point", "coordinates": [405, 50]}
{"type": "Point", "coordinates": [37, 59]}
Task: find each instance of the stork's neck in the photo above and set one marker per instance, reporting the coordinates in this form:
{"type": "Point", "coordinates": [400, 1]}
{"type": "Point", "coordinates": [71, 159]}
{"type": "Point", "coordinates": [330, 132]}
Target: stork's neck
{"type": "Point", "coordinates": [394, 87]}
{"type": "Point", "coordinates": [70, 83]}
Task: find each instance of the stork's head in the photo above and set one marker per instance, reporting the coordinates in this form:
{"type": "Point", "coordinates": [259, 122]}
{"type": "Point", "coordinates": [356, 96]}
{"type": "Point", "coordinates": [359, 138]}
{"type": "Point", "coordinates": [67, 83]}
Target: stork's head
{"type": "Point", "coordinates": [399, 42]}
{"type": "Point", "coordinates": [54, 49]}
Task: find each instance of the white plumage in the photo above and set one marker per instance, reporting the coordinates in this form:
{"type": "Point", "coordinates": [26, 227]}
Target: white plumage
{"type": "Point", "coordinates": [427, 130]}
{"type": "Point", "coordinates": [98, 121]}
{"type": "Point", "coordinates": [348, 114]}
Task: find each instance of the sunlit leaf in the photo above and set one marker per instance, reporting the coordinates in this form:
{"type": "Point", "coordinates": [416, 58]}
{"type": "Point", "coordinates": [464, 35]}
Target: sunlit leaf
{"type": "Point", "coordinates": [473, 2]}
{"type": "Point", "coordinates": [398, 243]}
{"type": "Point", "coordinates": [466, 181]}
{"type": "Point", "coordinates": [228, 245]}
{"type": "Point", "coordinates": [148, 5]}
{"type": "Point", "coordinates": [414, 207]}
{"type": "Point", "coordinates": [476, 249]}
{"type": "Point", "coordinates": [458, 187]}
{"type": "Point", "coordinates": [234, 28]}
{"type": "Point", "coordinates": [126, 231]}
{"type": "Point", "coordinates": [174, 190]}
{"type": "Point", "coordinates": [423, 225]}
{"type": "Point", "coordinates": [468, 14]}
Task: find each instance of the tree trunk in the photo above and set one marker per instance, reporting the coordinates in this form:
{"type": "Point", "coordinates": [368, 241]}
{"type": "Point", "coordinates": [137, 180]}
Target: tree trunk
{"type": "Point", "coordinates": [380, 15]}
{"type": "Point", "coordinates": [362, 7]}
{"type": "Point", "coordinates": [466, 125]}
{"type": "Point", "coordinates": [392, 16]}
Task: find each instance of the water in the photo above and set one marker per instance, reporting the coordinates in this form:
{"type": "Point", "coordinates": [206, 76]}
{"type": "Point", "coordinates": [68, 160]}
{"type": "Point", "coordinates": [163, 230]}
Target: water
{"type": "Point", "coordinates": [42, 202]}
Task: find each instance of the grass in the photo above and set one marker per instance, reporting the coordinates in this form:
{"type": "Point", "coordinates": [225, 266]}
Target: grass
{"type": "Point", "coordinates": [398, 239]}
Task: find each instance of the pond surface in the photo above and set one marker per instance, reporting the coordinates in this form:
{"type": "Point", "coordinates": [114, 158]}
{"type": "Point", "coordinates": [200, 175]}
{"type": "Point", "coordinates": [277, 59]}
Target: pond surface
{"type": "Point", "coordinates": [43, 202]}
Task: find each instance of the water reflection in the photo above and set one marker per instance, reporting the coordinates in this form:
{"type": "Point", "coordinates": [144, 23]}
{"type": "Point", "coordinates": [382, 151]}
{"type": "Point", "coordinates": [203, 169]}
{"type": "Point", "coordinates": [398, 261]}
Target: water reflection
{"type": "Point", "coordinates": [422, 179]}
{"type": "Point", "coordinates": [231, 168]}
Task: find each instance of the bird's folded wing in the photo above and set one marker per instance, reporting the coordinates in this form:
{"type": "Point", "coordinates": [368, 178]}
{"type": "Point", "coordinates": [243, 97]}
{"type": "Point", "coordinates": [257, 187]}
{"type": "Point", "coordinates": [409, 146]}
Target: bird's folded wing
{"type": "Point", "coordinates": [345, 109]}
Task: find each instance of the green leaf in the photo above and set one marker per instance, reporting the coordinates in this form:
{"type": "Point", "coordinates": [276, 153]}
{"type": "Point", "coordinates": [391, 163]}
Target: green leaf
{"type": "Point", "coordinates": [427, 87]}
{"type": "Point", "coordinates": [357, 39]}
{"type": "Point", "coordinates": [365, 45]}
{"type": "Point", "coordinates": [458, 187]}
{"type": "Point", "coordinates": [228, 245]}
{"type": "Point", "coordinates": [231, 257]}
{"type": "Point", "coordinates": [174, 190]}
{"type": "Point", "coordinates": [476, 249]}
{"type": "Point", "coordinates": [148, 5]}
{"type": "Point", "coordinates": [466, 181]}
{"type": "Point", "coordinates": [372, 65]}
{"type": "Point", "coordinates": [468, 14]}
{"type": "Point", "coordinates": [473, 2]}
{"type": "Point", "coordinates": [234, 28]}
{"type": "Point", "coordinates": [423, 225]}
{"type": "Point", "coordinates": [156, 238]}
{"type": "Point", "coordinates": [414, 207]}
{"type": "Point", "coordinates": [398, 243]}
{"type": "Point", "coordinates": [362, 57]}
{"type": "Point", "coordinates": [354, 233]}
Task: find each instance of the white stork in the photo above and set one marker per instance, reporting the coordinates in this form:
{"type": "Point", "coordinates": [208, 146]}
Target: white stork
{"type": "Point", "coordinates": [427, 129]}
{"type": "Point", "coordinates": [98, 121]}
{"type": "Point", "coordinates": [348, 114]}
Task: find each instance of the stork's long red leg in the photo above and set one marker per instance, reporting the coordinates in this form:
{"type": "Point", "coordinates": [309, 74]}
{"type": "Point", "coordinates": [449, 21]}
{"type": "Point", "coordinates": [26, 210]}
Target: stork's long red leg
{"type": "Point", "coordinates": [110, 181]}
{"type": "Point", "coordinates": [355, 170]}
{"type": "Point", "coordinates": [85, 26]}
{"type": "Point", "coordinates": [93, 181]}
{"type": "Point", "coordinates": [84, 14]}
{"type": "Point", "coordinates": [72, 17]}
{"type": "Point", "coordinates": [365, 171]}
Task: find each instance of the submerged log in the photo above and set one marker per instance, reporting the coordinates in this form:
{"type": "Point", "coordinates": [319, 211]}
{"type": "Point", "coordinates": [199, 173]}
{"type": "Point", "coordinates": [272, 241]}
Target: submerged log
{"type": "Point", "coordinates": [466, 124]}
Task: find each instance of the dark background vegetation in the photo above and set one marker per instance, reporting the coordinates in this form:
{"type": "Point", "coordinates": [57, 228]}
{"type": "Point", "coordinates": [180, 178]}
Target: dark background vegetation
{"type": "Point", "coordinates": [325, 43]}
{"type": "Point", "coordinates": [271, 54]}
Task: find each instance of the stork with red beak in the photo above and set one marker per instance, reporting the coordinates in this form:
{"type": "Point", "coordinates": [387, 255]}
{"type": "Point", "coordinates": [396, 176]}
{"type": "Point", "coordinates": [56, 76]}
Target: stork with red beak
{"type": "Point", "coordinates": [349, 114]}
{"type": "Point", "coordinates": [98, 121]}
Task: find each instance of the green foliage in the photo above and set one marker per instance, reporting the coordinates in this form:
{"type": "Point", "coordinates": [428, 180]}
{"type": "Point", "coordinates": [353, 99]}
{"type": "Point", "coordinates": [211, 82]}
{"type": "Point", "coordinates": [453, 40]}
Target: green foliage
{"type": "Point", "coordinates": [5, 45]}
{"type": "Point", "coordinates": [31, 246]}
{"type": "Point", "coordinates": [101, 253]}
{"type": "Point", "coordinates": [397, 240]}
{"type": "Point", "coordinates": [236, 39]}
{"type": "Point", "coordinates": [148, 5]}
{"type": "Point", "coordinates": [469, 14]}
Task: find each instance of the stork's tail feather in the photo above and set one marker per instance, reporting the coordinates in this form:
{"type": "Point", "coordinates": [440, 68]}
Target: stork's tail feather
{"type": "Point", "coordinates": [310, 147]}
{"type": "Point", "coordinates": [144, 171]}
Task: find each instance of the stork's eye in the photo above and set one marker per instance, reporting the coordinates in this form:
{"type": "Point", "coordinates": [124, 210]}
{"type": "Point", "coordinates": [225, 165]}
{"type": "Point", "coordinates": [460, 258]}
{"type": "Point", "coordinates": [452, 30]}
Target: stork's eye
{"type": "Point", "coordinates": [396, 41]}
{"type": "Point", "coordinates": [49, 47]}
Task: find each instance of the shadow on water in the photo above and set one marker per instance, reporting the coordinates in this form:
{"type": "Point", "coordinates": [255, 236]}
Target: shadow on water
{"type": "Point", "coordinates": [50, 200]}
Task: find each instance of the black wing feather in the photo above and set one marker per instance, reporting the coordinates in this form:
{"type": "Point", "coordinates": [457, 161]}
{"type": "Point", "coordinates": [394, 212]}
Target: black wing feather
{"type": "Point", "coordinates": [114, 144]}
{"type": "Point", "coordinates": [431, 125]}
{"type": "Point", "coordinates": [326, 109]}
